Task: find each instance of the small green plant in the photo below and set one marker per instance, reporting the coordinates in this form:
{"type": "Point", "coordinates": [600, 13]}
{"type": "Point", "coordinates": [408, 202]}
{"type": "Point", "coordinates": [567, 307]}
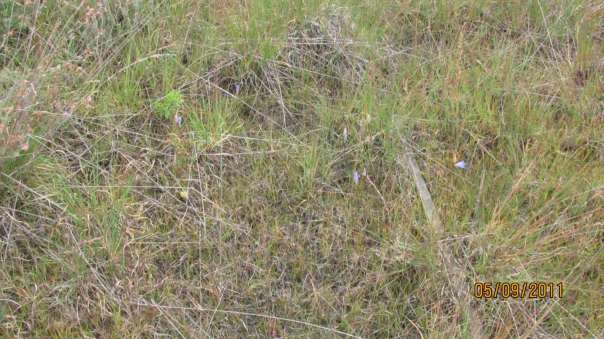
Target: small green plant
{"type": "Point", "coordinates": [167, 106]}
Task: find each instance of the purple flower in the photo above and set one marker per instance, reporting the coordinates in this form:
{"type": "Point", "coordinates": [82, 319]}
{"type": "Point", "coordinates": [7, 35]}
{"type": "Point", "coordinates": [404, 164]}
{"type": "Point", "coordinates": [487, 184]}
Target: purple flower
{"type": "Point", "coordinates": [178, 119]}
{"type": "Point", "coordinates": [356, 177]}
{"type": "Point", "coordinates": [460, 164]}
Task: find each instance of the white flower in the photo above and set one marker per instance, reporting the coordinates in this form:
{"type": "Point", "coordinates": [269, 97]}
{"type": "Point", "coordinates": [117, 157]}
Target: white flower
{"type": "Point", "coordinates": [460, 164]}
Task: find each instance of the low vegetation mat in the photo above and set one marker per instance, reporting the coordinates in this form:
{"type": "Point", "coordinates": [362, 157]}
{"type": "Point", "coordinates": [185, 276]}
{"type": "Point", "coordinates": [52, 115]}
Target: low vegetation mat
{"type": "Point", "coordinates": [301, 168]}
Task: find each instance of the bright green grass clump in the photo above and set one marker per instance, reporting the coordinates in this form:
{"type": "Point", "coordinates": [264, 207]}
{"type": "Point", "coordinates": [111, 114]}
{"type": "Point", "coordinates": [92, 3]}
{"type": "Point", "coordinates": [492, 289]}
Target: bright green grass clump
{"type": "Point", "coordinates": [167, 106]}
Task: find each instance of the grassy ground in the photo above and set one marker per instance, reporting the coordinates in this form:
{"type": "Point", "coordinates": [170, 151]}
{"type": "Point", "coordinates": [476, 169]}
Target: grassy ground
{"type": "Point", "coordinates": [231, 168]}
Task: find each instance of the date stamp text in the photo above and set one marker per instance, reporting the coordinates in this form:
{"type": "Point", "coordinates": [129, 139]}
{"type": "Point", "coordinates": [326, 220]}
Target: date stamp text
{"type": "Point", "coordinates": [518, 290]}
